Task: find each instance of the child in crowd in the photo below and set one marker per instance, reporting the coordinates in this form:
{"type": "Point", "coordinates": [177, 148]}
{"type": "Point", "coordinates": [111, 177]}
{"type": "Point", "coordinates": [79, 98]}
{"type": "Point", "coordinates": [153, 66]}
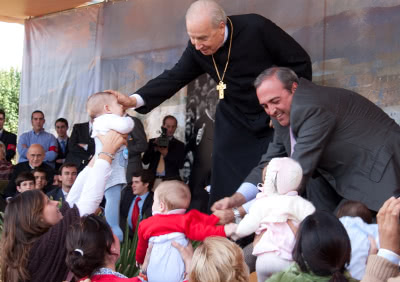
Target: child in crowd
{"type": "Point", "coordinates": [278, 210]}
{"type": "Point", "coordinates": [357, 220]}
{"type": "Point", "coordinates": [107, 114]}
{"type": "Point", "coordinates": [40, 178]}
{"type": "Point", "coordinates": [218, 259]}
{"type": "Point", "coordinates": [170, 223]}
{"type": "Point", "coordinates": [25, 181]}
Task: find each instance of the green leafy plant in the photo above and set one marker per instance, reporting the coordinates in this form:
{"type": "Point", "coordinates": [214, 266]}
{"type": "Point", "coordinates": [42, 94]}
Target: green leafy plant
{"type": "Point", "coordinates": [126, 263]}
{"type": "Point", "coordinates": [9, 97]}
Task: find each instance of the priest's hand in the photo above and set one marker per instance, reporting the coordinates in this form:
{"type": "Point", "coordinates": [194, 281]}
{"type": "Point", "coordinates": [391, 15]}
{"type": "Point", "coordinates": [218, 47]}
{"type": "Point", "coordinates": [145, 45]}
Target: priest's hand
{"type": "Point", "coordinates": [127, 102]}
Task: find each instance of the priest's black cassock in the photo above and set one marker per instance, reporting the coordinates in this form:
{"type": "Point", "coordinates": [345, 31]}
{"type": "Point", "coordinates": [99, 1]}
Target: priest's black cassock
{"type": "Point", "coordinates": [242, 132]}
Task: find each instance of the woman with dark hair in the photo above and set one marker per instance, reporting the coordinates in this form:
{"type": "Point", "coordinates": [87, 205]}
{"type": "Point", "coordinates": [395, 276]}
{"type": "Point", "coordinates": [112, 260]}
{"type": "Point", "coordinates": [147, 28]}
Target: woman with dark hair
{"type": "Point", "coordinates": [321, 253]}
{"type": "Point", "coordinates": [93, 250]}
{"type": "Point", "coordinates": [34, 231]}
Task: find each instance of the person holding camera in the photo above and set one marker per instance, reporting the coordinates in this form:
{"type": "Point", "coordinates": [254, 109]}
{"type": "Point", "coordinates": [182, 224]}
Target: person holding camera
{"type": "Point", "coordinates": [165, 154]}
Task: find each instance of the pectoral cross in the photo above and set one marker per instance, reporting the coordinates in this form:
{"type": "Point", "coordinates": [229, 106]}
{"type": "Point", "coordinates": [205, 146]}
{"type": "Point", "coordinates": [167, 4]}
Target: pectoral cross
{"type": "Point", "coordinates": [220, 87]}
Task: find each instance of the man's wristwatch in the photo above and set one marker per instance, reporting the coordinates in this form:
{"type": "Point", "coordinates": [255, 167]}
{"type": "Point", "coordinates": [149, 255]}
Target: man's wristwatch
{"type": "Point", "coordinates": [236, 213]}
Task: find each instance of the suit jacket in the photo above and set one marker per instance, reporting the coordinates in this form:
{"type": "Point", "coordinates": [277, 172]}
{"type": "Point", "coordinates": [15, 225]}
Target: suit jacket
{"type": "Point", "coordinates": [137, 144]}
{"type": "Point", "coordinates": [10, 141]}
{"type": "Point", "coordinates": [173, 160]}
{"type": "Point", "coordinates": [127, 197]}
{"type": "Point", "coordinates": [57, 194]}
{"type": "Point", "coordinates": [11, 188]}
{"type": "Point", "coordinates": [76, 154]}
{"type": "Point", "coordinates": [61, 155]}
{"type": "Point", "coordinates": [257, 44]}
{"type": "Point", "coordinates": [344, 135]}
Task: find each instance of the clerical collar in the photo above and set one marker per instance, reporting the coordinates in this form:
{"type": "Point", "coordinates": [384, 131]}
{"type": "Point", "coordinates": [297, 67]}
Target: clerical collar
{"type": "Point", "coordinates": [226, 34]}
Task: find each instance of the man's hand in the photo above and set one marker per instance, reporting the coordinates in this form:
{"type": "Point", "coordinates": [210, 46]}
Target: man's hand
{"type": "Point", "coordinates": [236, 200]}
{"type": "Point", "coordinates": [222, 204]}
{"type": "Point", "coordinates": [388, 225]}
{"type": "Point", "coordinates": [225, 216]}
{"type": "Point", "coordinates": [127, 102]}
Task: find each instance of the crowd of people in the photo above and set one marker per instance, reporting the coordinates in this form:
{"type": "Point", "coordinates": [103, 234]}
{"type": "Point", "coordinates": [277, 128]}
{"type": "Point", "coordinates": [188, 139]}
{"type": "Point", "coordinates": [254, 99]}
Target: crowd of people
{"type": "Point", "coordinates": [303, 211]}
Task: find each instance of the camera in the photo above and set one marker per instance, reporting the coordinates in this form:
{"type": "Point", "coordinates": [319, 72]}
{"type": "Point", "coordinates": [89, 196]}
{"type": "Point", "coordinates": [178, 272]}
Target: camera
{"type": "Point", "coordinates": [163, 140]}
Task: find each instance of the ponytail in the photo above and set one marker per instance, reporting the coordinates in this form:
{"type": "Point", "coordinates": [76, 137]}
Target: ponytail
{"type": "Point", "coordinates": [88, 243]}
{"type": "Point", "coordinates": [338, 276]}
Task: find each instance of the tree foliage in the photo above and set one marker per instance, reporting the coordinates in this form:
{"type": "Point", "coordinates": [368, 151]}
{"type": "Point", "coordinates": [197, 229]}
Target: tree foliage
{"type": "Point", "coordinates": [9, 97]}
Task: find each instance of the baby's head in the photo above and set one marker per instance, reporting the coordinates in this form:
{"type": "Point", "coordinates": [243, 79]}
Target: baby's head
{"type": "Point", "coordinates": [171, 195]}
{"type": "Point", "coordinates": [102, 103]}
{"type": "Point", "coordinates": [355, 209]}
{"type": "Point", "coordinates": [281, 176]}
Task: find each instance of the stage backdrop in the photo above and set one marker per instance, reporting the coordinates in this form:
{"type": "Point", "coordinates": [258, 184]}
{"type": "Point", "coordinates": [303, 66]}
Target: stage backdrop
{"type": "Point", "coordinates": [120, 45]}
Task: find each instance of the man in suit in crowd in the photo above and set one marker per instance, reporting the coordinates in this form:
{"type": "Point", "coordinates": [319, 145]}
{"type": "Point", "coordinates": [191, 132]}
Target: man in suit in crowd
{"type": "Point", "coordinates": [9, 139]}
{"type": "Point", "coordinates": [61, 126]}
{"type": "Point", "coordinates": [347, 146]}
{"type": "Point", "coordinates": [233, 51]}
{"type": "Point", "coordinates": [38, 136]}
{"type": "Point", "coordinates": [35, 155]}
{"type": "Point", "coordinates": [68, 174]}
{"type": "Point", "coordinates": [81, 146]}
{"type": "Point", "coordinates": [141, 185]}
{"type": "Point", "coordinates": [165, 161]}
{"type": "Point", "coordinates": [137, 144]}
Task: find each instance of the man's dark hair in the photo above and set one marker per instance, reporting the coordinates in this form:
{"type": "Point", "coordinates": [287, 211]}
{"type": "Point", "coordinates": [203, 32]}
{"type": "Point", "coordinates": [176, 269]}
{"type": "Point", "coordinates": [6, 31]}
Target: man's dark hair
{"type": "Point", "coordinates": [37, 112]}
{"type": "Point", "coordinates": [2, 112]}
{"type": "Point", "coordinates": [147, 176]}
{"type": "Point", "coordinates": [24, 176]}
{"type": "Point", "coordinates": [63, 120]}
{"type": "Point", "coordinates": [284, 75]}
{"type": "Point", "coordinates": [39, 169]}
{"type": "Point", "coordinates": [167, 117]}
{"type": "Point", "coordinates": [355, 209]}
{"type": "Point", "coordinates": [67, 165]}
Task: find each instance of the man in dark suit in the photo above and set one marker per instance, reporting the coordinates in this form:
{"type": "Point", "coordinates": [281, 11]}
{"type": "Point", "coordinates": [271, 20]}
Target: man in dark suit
{"type": "Point", "coordinates": [233, 51]}
{"type": "Point", "coordinates": [347, 146]}
{"type": "Point", "coordinates": [140, 186]}
{"type": "Point", "coordinates": [137, 144]}
{"type": "Point", "coordinates": [68, 174]}
{"type": "Point", "coordinates": [61, 126]}
{"type": "Point", "coordinates": [81, 146]}
{"type": "Point", "coordinates": [165, 161]}
{"type": "Point", "coordinates": [9, 139]}
{"type": "Point", "coordinates": [35, 157]}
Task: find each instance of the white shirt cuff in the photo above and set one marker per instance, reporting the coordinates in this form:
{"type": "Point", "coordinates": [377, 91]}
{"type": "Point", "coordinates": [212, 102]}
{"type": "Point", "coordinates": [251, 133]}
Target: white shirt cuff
{"type": "Point", "coordinates": [246, 206]}
{"type": "Point", "coordinates": [248, 190]}
{"type": "Point", "coordinates": [389, 255]}
{"type": "Point", "coordinates": [139, 101]}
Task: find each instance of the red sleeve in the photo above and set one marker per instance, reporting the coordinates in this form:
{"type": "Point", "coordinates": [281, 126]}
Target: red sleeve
{"type": "Point", "coordinates": [53, 148]}
{"type": "Point", "coordinates": [199, 226]}
{"type": "Point", "coordinates": [142, 244]}
{"type": "Point", "coordinates": [11, 147]}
